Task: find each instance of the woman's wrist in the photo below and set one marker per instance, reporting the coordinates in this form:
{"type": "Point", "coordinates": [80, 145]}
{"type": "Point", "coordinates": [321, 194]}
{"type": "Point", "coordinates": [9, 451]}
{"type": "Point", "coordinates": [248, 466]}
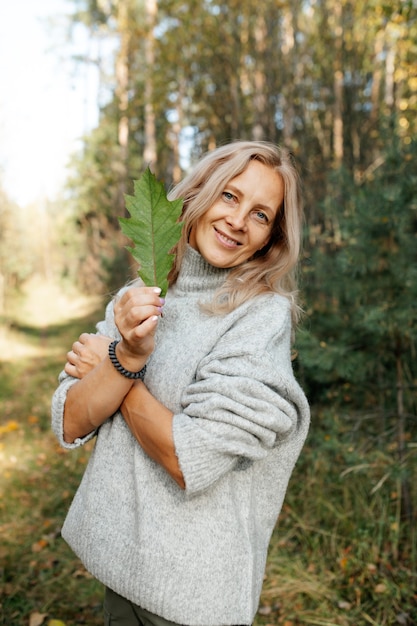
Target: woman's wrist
{"type": "Point", "coordinates": [130, 362]}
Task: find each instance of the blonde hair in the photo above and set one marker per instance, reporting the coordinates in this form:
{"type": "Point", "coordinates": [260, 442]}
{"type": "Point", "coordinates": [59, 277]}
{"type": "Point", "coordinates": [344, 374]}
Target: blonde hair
{"type": "Point", "coordinates": [273, 268]}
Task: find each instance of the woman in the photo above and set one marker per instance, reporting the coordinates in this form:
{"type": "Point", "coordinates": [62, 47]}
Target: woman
{"type": "Point", "coordinates": [198, 418]}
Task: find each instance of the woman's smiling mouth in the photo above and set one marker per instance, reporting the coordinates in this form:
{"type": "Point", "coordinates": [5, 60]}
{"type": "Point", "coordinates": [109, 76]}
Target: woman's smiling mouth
{"type": "Point", "coordinates": [224, 239]}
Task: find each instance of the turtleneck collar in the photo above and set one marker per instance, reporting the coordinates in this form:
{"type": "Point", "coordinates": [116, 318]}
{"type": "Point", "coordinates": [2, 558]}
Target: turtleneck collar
{"type": "Point", "coordinates": [198, 275]}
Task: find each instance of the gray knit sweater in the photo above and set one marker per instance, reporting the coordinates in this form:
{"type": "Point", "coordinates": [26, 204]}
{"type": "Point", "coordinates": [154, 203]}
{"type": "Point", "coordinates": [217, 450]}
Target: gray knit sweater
{"type": "Point", "coordinates": [195, 556]}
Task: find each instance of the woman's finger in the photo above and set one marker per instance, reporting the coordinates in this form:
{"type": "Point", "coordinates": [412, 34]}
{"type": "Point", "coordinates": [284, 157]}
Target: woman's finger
{"type": "Point", "coordinates": [138, 297]}
{"type": "Point", "coordinates": [147, 327]}
{"type": "Point", "coordinates": [71, 356]}
{"type": "Point", "coordinates": [138, 314]}
{"type": "Point", "coordinates": [72, 370]}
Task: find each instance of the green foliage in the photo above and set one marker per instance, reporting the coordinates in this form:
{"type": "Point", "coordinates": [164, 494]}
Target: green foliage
{"type": "Point", "coordinates": [361, 286]}
{"type": "Point", "coordinates": [153, 227]}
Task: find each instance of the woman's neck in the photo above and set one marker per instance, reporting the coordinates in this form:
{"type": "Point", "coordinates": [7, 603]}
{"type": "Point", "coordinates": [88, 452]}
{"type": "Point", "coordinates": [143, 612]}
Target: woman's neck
{"type": "Point", "coordinates": [196, 274]}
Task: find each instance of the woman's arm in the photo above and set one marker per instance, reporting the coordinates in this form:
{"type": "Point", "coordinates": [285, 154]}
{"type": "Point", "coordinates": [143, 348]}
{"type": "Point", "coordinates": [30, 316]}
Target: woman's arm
{"type": "Point", "coordinates": [93, 399]}
{"type": "Point", "coordinates": [149, 421]}
{"type": "Point", "coordinates": [101, 388]}
{"type": "Point", "coordinates": [151, 424]}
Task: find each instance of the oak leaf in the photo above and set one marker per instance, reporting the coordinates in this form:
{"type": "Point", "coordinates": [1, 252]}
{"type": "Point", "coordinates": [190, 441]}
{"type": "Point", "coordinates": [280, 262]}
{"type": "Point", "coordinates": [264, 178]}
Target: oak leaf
{"type": "Point", "coordinates": [37, 619]}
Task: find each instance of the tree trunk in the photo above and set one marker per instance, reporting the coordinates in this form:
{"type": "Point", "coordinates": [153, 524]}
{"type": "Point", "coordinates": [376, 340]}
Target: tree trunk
{"type": "Point", "coordinates": [376, 77]}
{"type": "Point", "coordinates": [259, 99]}
{"type": "Point", "coordinates": [149, 154]}
{"type": "Point", "coordinates": [175, 132]}
{"type": "Point", "coordinates": [288, 75]}
{"type": "Point", "coordinates": [406, 504]}
{"type": "Point", "coordinates": [389, 78]}
{"type": "Point", "coordinates": [338, 87]}
{"type": "Point", "coordinates": [122, 95]}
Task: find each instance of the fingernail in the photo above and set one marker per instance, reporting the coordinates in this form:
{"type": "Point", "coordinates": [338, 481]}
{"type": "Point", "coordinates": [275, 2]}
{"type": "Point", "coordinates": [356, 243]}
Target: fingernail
{"type": "Point", "coordinates": [162, 301]}
{"type": "Point", "coordinates": [160, 309]}
{"type": "Point", "coordinates": [157, 290]}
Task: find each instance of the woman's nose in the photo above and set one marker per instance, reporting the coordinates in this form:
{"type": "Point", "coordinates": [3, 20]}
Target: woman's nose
{"type": "Point", "coordinates": [237, 219]}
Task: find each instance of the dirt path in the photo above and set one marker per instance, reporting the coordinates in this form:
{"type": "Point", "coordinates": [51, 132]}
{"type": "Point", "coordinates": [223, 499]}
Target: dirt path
{"type": "Point", "coordinates": [44, 304]}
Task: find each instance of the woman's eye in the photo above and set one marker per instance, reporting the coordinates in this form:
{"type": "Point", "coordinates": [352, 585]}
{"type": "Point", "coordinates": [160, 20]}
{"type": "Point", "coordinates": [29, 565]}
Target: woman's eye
{"type": "Point", "coordinates": [229, 197]}
{"type": "Point", "coordinates": [260, 215]}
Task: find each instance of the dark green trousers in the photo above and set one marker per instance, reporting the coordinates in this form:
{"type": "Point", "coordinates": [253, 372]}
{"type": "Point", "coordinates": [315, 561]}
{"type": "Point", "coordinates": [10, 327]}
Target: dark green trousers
{"type": "Point", "coordinates": [121, 612]}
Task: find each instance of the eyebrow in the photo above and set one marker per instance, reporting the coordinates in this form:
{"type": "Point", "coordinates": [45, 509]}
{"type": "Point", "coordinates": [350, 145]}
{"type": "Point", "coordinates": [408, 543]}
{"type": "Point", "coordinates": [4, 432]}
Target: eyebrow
{"type": "Point", "coordinates": [265, 207]}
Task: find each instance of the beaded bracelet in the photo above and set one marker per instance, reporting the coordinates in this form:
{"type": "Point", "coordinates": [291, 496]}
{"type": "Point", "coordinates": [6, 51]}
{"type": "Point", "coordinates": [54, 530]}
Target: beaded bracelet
{"type": "Point", "coordinates": [113, 358]}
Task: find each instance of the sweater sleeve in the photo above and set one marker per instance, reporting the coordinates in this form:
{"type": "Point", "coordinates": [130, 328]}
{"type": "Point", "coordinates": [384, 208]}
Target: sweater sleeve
{"type": "Point", "coordinates": [243, 402]}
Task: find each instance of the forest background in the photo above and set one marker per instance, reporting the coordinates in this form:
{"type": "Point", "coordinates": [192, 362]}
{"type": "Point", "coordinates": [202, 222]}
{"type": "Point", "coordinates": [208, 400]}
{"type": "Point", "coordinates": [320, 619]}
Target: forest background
{"type": "Point", "coordinates": [336, 82]}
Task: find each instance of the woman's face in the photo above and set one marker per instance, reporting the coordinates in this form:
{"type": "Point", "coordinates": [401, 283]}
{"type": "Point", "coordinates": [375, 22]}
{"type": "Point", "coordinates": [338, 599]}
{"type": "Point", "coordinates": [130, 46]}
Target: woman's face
{"type": "Point", "coordinates": [240, 222]}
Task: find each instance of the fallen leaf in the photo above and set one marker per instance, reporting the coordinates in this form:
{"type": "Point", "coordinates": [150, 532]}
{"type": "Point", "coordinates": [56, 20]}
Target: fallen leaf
{"type": "Point", "coordinates": [265, 610]}
{"type": "Point", "coordinates": [343, 562]}
{"type": "Point", "coordinates": [39, 545]}
{"type": "Point", "coordinates": [381, 588]}
{"type": "Point", "coordinates": [55, 622]}
{"type": "Point", "coordinates": [9, 427]}
{"type": "Point", "coordinates": [36, 619]}
{"type": "Point", "coordinates": [344, 605]}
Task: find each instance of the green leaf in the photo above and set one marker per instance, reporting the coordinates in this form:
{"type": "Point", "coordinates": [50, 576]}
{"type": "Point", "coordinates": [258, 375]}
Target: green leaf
{"type": "Point", "coordinates": [153, 228]}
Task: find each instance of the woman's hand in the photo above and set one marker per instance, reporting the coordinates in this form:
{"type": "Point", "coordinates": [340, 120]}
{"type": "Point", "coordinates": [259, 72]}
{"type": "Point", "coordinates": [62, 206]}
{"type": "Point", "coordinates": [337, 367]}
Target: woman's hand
{"type": "Point", "coordinates": [86, 353]}
{"type": "Point", "coordinates": [136, 314]}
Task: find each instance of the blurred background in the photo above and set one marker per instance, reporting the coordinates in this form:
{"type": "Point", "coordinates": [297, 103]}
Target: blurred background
{"type": "Point", "coordinates": [93, 91]}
